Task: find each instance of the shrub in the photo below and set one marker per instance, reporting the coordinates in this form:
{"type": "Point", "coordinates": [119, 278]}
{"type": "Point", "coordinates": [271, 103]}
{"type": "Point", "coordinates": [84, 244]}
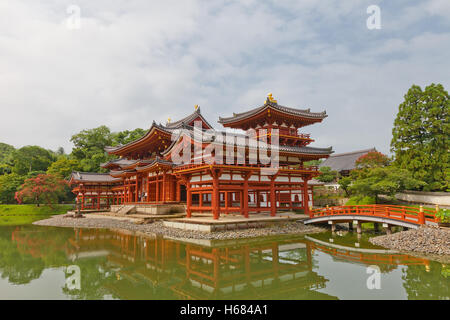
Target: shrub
{"type": "Point", "coordinates": [360, 200]}
{"type": "Point", "coordinates": [444, 215]}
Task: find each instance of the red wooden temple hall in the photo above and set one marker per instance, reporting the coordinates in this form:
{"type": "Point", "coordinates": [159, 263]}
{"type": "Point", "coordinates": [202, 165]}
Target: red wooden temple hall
{"type": "Point", "coordinates": [148, 172]}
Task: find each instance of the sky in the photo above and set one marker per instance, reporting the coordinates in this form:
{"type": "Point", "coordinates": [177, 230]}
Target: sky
{"type": "Point", "coordinates": [71, 65]}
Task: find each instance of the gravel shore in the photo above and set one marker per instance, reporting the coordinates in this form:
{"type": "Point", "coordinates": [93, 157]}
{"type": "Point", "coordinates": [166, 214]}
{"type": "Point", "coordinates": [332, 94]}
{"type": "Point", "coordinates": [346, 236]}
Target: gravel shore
{"type": "Point", "coordinates": [429, 240]}
{"type": "Point", "coordinates": [158, 228]}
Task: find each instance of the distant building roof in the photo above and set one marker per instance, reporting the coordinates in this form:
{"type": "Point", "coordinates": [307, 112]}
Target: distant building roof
{"type": "Point", "coordinates": [344, 161]}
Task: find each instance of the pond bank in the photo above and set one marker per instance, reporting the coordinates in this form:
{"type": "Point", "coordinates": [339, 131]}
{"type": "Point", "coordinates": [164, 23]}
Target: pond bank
{"type": "Point", "coordinates": [427, 240]}
{"type": "Point", "coordinates": [158, 228]}
{"type": "Point", "coordinates": [22, 214]}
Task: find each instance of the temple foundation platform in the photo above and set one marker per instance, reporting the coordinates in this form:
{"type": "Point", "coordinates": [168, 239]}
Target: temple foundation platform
{"type": "Point", "coordinates": [206, 223]}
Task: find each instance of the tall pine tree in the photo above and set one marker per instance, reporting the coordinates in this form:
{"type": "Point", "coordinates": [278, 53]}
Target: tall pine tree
{"type": "Point", "coordinates": [421, 135]}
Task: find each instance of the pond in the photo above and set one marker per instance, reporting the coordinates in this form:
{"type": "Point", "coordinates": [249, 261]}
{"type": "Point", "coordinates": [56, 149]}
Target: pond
{"type": "Point", "coordinates": [62, 263]}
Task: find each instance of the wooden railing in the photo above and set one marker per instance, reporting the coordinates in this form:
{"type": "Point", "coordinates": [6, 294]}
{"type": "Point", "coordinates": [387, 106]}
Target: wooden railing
{"type": "Point", "coordinates": [403, 213]}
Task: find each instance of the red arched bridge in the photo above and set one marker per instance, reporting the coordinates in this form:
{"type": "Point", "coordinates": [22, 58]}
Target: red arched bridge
{"type": "Point", "coordinates": [409, 217]}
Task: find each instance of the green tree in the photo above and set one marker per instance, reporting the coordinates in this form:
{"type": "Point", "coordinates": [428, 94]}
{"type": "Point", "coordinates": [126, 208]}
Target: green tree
{"type": "Point", "coordinates": [31, 158]}
{"type": "Point", "coordinates": [6, 158]}
{"type": "Point", "coordinates": [9, 184]}
{"type": "Point", "coordinates": [63, 167]}
{"type": "Point", "coordinates": [345, 183]}
{"type": "Point", "coordinates": [383, 180]}
{"type": "Point", "coordinates": [124, 137]}
{"type": "Point", "coordinates": [327, 175]}
{"type": "Point", "coordinates": [90, 148]}
{"type": "Point", "coordinates": [420, 137]}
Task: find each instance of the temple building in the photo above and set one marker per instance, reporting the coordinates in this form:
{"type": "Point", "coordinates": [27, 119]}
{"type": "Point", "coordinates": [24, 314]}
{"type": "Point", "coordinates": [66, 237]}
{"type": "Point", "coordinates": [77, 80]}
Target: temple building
{"type": "Point", "coordinates": [344, 163]}
{"type": "Point", "coordinates": [257, 164]}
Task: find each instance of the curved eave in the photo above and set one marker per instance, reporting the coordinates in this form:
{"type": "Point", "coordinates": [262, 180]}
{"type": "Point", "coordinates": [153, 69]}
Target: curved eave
{"type": "Point", "coordinates": [122, 173]}
{"type": "Point", "coordinates": [137, 143]}
{"type": "Point", "coordinates": [189, 119]}
{"type": "Point", "coordinates": [156, 164]}
{"type": "Point", "coordinates": [297, 113]}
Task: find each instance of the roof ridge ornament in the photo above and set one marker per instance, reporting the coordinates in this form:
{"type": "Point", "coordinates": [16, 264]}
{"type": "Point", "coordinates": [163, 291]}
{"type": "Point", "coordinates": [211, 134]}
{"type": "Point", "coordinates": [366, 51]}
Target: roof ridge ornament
{"type": "Point", "coordinates": [197, 108]}
{"type": "Point", "coordinates": [271, 99]}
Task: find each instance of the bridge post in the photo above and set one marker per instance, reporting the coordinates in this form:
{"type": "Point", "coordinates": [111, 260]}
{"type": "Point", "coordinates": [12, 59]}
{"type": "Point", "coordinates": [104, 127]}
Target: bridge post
{"type": "Point", "coordinates": [421, 215]}
{"type": "Point", "coordinates": [350, 226]}
{"type": "Point", "coordinates": [358, 226]}
{"type": "Point", "coordinates": [376, 226]}
{"type": "Point", "coordinates": [333, 225]}
{"type": "Point", "coordinates": [387, 228]}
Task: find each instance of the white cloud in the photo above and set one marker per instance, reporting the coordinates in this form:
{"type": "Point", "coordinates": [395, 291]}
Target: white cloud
{"type": "Point", "coordinates": [135, 61]}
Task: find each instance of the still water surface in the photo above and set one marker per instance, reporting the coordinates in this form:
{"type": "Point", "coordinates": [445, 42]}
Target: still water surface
{"type": "Point", "coordinates": [46, 263]}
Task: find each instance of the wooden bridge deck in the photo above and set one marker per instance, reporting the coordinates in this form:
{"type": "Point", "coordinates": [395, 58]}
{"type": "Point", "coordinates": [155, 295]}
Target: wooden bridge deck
{"type": "Point", "coordinates": [409, 217]}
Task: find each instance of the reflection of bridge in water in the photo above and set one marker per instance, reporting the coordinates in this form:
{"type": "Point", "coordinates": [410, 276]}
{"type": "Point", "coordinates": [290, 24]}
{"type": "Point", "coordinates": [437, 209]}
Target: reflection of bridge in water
{"type": "Point", "coordinates": [366, 256]}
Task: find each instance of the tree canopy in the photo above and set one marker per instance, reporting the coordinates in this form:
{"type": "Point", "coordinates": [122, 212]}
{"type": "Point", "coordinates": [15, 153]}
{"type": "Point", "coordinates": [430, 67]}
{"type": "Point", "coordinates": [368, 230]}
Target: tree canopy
{"type": "Point", "coordinates": [31, 158]}
{"type": "Point", "coordinates": [383, 180]}
{"type": "Point", "coordinates": [44, 188]}
{"type": "Point", "coordinates": [327, 175]}
{"type": "Point", "coordinates": [420, 137]}
{"type": "Point", "coordinates": [90, 147]}
{"type": "Point", "coordinates": [63, 167]}
{"type": "Point", "coordinates": [6, 159]}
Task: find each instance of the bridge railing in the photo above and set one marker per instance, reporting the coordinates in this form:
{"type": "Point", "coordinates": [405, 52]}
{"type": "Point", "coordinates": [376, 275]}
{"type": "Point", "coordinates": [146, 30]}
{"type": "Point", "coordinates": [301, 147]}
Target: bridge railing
{"type": "Point", "coordinates": [403, 213]}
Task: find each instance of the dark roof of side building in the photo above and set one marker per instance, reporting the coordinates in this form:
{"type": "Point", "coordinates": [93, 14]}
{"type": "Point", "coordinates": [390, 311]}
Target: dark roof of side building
{"type": "Point", "coordinates": [344, 161]}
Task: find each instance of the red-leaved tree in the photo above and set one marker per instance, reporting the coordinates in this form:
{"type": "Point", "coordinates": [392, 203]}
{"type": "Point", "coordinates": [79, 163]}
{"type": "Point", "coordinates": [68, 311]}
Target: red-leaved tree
{"type": "Point", "coordinates": [44, 188]}
{"type": "Point", "coordinates": [372, 159]}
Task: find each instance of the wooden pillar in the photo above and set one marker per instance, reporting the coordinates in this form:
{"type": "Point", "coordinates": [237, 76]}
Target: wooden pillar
{"type": "Point", "coordinates": [305, 196]}
{"type": "Point", "coordinates": [136, 190]}
{"type": "Point", "coordinates": [273, 201]}
{"type": "Point", "coordinates": [178, 191]}
{"type": "Point", "coordinates": [157, 187]}
{"type": "Point", "coordinates": [147, 198]}
{"type": "Point", "coordinates": [188, 200]}
{"type": "Point", "coordinates": [215, 196]}
{"type": "Point", "coordinates": [244, 199]}
{"type": "Point", "coordinates": [164, 187]}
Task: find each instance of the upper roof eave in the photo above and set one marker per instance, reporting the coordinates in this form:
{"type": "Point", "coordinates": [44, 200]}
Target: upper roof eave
{"type": "Point", "coordinates": [305, 113]}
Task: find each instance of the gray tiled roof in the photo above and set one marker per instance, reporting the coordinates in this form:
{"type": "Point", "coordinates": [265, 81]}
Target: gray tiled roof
{"type": "Point", "coordinates": [286, 148]}
{"type": "Point", "coordinates": [187, 120]}
{"type": "Point", "coordinates": [119, 162]}
{"type": "Point", "coordinates": [93, 177]}
{"type": "Point", "coordinates": [344, 161]}
{"type": "Point", "coordinates": [299, 112]}
{"type": "Point", "coordinates": [169, 128]}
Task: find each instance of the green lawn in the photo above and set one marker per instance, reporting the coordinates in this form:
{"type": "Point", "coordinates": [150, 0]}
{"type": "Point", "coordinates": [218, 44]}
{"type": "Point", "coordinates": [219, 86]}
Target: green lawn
{"type": "Point", "coordinates": [14, 214]}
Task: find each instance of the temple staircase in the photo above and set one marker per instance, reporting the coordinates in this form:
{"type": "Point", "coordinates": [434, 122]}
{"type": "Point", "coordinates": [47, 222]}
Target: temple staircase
{"type": "Point", "coordinates": [126, 209]}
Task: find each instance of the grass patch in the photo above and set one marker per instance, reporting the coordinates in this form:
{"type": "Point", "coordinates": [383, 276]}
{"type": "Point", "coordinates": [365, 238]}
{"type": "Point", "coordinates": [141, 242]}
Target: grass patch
{"type": "Point", "coordinates": [13, 214]}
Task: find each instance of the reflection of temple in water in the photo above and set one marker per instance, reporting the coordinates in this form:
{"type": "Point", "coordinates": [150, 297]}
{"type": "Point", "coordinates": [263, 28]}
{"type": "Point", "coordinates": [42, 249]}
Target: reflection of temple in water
{"type": "Point", "coordinates": [129, 266]}
{"type": "Point", "coordinates": [262, 269]}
